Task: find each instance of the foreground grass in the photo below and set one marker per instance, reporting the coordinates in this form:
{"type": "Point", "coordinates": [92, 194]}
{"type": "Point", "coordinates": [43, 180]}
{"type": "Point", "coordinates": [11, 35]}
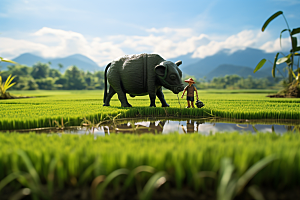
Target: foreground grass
{"type": "Point", "coordinates": [72, 106]}
{"type": "Point", "coordinates": [58, 162]}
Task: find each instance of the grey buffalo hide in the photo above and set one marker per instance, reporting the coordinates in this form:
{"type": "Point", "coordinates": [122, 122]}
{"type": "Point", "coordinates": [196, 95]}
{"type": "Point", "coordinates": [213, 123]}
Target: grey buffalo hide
{"type": "Point", "coordinates": [142, 74]}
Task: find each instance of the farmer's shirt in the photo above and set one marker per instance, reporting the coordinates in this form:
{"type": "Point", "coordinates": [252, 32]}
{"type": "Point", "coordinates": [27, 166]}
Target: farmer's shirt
{"type": "Point", "coordinates": [190, 90]}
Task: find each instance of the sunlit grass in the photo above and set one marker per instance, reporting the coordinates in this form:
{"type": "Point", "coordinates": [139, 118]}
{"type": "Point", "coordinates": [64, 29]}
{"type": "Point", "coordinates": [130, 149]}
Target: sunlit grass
{"type": "Point", "coordinates": [72, 106]}
{"type": "Point", "coordinates": [77, 160]}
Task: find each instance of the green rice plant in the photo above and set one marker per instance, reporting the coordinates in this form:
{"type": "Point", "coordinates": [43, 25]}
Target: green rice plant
{"type": "Point", "coordinates": [134, 174]}
{"type": "Point", "coordinates": [289, 59]}
{"type": "Point", "coordinates": [58, 125]}
{"type": "Point", "coordinates": [5, 86]}
{"type": "Point", "coordinates": [153, 183]}
{"type": "Point", "coordinates": [79, 161]}
{"type": "Point", "coordinates": [99, 192]}
{"type": "Point", "coordinates": [229, 186]}
{"type": "Point", "coordinates": [71, 106]}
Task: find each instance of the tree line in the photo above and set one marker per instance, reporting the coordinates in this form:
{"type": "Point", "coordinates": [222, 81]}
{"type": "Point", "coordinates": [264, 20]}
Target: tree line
{"type": "Point", "coordinates": [238, 82]}
{"type": "Point", "coordinates": [42, 76]}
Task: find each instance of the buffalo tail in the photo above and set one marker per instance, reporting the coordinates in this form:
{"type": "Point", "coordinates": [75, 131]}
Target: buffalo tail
{"type": "Point", "coordinates": [105, 82]}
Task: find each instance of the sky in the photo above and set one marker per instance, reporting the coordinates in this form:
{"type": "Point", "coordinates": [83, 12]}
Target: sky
{"type": "Point", "coordinates": [105, 30]}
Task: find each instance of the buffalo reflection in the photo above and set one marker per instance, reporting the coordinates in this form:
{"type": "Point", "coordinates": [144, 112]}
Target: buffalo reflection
{"type": "Point", "coordinates": [142, 127]}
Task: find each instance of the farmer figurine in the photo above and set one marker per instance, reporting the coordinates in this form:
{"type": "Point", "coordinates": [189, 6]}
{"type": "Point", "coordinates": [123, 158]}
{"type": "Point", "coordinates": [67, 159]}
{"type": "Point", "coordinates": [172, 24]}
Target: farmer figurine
{"type": "Point", "coordinates": [190, 88]}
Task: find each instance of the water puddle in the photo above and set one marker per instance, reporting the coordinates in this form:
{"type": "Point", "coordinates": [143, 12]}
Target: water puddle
{"type": "Point", "coordinates": [165, 126]}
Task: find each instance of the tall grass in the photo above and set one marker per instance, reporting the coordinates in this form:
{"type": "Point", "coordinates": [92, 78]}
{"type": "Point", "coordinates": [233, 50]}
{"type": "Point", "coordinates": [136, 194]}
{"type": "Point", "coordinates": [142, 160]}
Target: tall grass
{"type": "Point", "coordinates": [62, 161]}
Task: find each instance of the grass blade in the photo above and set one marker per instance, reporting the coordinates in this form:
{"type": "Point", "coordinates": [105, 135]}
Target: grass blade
{"type": "Point", "coordinates": [295, 31]}
{"type": "Point", "coordinates": [143, 168]}
{"type": "Point", "coordinates": [274, 64]}
{"type": "Point", "coordinates": [270, 19]}
{"type": "Point", "coordinates": [252, 171]}
{"type": "Point", "coordinates": [226, 187]}
{"type": "Point", "coordinates": [281, 35]}
{"type": "Point", "coordinates": [283, 59]}
{"type": "Point", "coordinates": [51, 175]}
{"type": "Point", "coordinates": [255, 193]}
{"type": "Point", "coordinates": [259, 65]}
{"type": "Point", "coordinates": [9, 178]}
{"type": "Point", "coordinates": [109, 179]}
{"type": "Point", "coordinates": [29, 166]}
{"type": "Point", "coordinates": [154, 182]}
{"type": "Point", "coordinates": [86, 173]}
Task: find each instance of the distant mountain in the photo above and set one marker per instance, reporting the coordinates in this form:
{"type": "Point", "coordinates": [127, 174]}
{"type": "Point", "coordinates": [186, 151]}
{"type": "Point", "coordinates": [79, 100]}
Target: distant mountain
{"type": "Point", "coordinates": [28, 59]}
{"type": "Point", "coordinates": [248, 58]}
{"type": "Point", "coordinates": [81, 61]}
{"type": "Point", "coordinates": [241, 62]}
{"type": "Point", "coordinates": [186, 59]}
{"type": "Point", "coordinates": [242, 71]}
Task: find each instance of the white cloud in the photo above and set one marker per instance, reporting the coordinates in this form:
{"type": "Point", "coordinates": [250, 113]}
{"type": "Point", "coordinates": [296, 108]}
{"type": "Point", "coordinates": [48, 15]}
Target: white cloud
{"type": "Point", "coordinates": [50, 42]}
{"type": "Point", "coordinates": [11, 48]}
{"type": "Point", "coordinates": [242, 40]}
{"type": "Point", "coordinates": [274, 46]}
{"type": "Point", "coordinates": [167, 42]}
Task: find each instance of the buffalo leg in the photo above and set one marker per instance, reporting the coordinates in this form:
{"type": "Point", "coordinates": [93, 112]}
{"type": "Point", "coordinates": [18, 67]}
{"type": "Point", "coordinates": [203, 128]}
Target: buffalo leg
{"type": "Point", "coordinates": [122, 96]}
{"type": "Point", "coordinates": [161, 97]}
{"type": "Point", "coordinates": [152, 96]}
{"type": "Point", "coordinates": [109, 96]}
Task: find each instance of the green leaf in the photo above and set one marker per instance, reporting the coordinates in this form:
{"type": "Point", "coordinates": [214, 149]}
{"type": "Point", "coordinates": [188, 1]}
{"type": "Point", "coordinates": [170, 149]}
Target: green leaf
{"type": "Point", "coordinates": [295, 44]}
{"type": "Point", "coordinates": [252, 171]}
{"type": "Point", "coordinates": [294, 75]}
{"type": "Point", "coordinates": [255, 193]}
{"type": "Point", "coordinates": [9, 178]}
{"type": "Point", "coordinates": [87, 173]}
{"type": "Point", "coordinates": [154, 182]}
{"type": "Point", "coordinates": [10, 85]}
{"type": "Point", "coordinates": [274, 65]}
{"type": "Point", "coordinates": [295, 31]}
{"type": "Point", "coordinates": [259, 65]}
{"type": "Point", "coordinates": [270, 19]}
{"type": "Point", "coordinates": [143, 168]}
{"type": "Point", "coordinates": [109, 179]}
{"type": "Point", "coordinates": [50, 178]}
{"type": "Point", "coordinates": [227, 182]}
{"type": "Point", "coordinates": [281, 34]}
{"type": "Point", "coordinates": [283, 59]}
{"type": "Point", "coordinates": [29, 166]}
{"type": "Point", "coordinates": [6, 60]}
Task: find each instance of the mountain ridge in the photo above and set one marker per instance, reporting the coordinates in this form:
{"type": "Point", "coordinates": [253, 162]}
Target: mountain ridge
{"type": "Point", "coordinates": [79, 60]}
{"type": "Point", "coordinates": [242, 62]}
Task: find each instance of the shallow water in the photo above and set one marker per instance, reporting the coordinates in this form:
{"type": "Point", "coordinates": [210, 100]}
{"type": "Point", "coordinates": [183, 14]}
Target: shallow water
{"type": "Point", "coordinates": [164, 126]}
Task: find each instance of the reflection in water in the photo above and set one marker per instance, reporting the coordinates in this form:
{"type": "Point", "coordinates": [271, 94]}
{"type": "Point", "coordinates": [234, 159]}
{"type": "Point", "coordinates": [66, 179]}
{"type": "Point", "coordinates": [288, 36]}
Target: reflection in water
{"type": "Point", "coordinates": [138, 127]}
{"type": "Point", "coordinates": [203, 126]}
{"type": "Point", "coordinates": [182, 126]}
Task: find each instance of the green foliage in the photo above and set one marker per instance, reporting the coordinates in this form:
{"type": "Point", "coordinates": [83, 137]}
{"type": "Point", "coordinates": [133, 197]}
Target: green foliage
{"type": "Point", "coordinates": [5, 86]}
{"type": "Point", "coordinates": [73, 106]}
{"type": "Point", "coordinates": [40, 70]}
{"type": "Point", "coordinates": [7, 60]}
{"type": "Point", "coordinates": [229, 184]}
{"type": "Point", "coordinates": [41, 76]}
{"type": "Point", "coordinates": [289, 59]}
{"type": "Point", "coordinates": [270, 19]}
{"type": "Point", "coordinates": [57, 162]}
{"type": "Point", "coordinates": [259, 65]}
{"type": "Point", "coordinates": [237, 82]}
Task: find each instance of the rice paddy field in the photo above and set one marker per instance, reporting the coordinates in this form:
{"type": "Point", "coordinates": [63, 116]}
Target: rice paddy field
{"type": "Point", "coordinates": [220, 166]}
{"type": "Point", "coordinates": [73, 106]}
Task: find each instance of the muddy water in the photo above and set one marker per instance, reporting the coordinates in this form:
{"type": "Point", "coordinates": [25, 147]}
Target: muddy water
{"type": "Point", "coordinates": [164, 126]}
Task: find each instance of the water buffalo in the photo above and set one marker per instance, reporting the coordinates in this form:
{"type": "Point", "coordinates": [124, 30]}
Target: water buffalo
{"type": "Point", "coordinates": [140, 75]}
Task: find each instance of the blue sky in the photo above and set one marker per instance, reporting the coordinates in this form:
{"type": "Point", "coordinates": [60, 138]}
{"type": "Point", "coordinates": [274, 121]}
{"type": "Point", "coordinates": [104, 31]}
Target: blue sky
{"type": "Point", "coordinates": [104, 30]}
